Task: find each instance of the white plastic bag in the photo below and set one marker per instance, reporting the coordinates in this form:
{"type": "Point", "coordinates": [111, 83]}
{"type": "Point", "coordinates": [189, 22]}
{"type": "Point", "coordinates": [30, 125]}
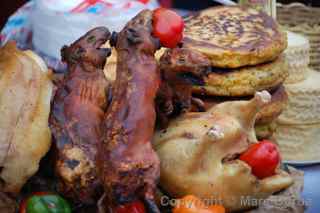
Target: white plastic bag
{"type": "Point", "coordinates": [59, 22]}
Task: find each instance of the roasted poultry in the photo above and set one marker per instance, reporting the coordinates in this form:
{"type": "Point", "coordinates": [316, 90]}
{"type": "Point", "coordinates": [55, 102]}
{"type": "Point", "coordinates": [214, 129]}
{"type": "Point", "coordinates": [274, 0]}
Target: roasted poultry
{"type": "Point", "coordinates": [128, 166]}
{"type": "Point", "coordinates": [25, 93]}
{"type": "Point", "coordinates": [199, 155]}
{"type": "Point", "coordinates": [77, 112]}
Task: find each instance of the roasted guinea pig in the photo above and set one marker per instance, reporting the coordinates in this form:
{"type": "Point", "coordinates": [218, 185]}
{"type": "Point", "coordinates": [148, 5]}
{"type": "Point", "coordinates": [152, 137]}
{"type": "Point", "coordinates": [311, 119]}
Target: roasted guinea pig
{"type": "Point", "coordinates": [198, 154]}
{"type": "Point", "coordinates": [77, 112]}
{"type": "Point", "coordinates": [128, 166]}
{"type": "Point", "coordinates": [178, 67]}
{"type": "Point", "coordinates": [25, 93]}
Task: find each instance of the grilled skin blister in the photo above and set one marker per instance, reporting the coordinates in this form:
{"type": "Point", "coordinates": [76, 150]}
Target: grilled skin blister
{"type": "Point", "coordinates": [77, 112]}
{"type": "Point", "coordinates": [128, 165]}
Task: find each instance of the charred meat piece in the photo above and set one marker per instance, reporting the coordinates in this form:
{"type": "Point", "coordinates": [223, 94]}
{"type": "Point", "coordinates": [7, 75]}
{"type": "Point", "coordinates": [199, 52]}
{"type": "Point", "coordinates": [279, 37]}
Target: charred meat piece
{"type": "Point", "coordinates": [180, 68]}
{"type": "Point", "coordinates": [77, 112]}
{"type": "Point", "coordinates": [128, 165]}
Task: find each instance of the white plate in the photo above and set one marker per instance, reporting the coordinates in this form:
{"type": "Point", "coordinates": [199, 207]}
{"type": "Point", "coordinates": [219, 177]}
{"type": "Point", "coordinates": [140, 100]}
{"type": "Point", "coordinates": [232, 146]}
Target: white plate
{"type": "Point", "coordinates": [302, 163]}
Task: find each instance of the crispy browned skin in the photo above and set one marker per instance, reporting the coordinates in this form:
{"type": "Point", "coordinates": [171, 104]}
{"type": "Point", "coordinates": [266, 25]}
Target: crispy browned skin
{"type": "Point", "coordinates": [180, 68]}
{"type": "Point", "coordinates": [128, 165]}
{"type": "Point", "coordinates": [78, 109]}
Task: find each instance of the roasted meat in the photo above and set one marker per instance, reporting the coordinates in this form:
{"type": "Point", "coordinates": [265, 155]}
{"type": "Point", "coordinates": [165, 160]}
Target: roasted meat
{"type": "Point", "coordinates": [198, 153]}
{"type": "Point", "coordinates": [25, 93]}
{"type": "Point", "coordinates": [77, 112]}
{"type": "Point", "coordinates": [180, 68]}
{"type": "Point", "coordinates": [128, 165]}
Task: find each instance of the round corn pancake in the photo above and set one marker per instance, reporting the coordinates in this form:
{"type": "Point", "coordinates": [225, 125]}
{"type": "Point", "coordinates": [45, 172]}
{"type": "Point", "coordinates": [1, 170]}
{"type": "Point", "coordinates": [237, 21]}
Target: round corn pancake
{"type": "Point", "coordinates": [242, 81]}
{"type": "Point", "coordinates": [233, 37]}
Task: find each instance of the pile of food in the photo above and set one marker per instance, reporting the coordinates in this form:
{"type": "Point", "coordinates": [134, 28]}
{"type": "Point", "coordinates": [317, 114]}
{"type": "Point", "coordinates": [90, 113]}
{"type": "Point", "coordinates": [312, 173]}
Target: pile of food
{"type": "Point", "coordinates": [129, 134]}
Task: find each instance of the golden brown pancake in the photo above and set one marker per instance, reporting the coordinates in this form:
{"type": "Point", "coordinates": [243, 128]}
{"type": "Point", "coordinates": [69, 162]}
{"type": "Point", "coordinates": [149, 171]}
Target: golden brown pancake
{"type": "Point", "coordinates": [242, 81]}
{"type": "Point", "coordinates": [233, 37]}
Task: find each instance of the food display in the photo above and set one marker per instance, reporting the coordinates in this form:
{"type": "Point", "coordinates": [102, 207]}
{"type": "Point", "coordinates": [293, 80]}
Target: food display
{"type": "Point", "coordinates": [218, 78]}
{"type": "Point", "coordinates": [223, 69]}
{"type": "Point", "coordinates": [165, 108]}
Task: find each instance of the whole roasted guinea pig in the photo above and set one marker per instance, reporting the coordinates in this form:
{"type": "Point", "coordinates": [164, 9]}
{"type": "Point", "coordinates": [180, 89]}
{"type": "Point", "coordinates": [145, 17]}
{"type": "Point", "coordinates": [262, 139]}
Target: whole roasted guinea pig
{"type": "Point", "coordinates": [77, 113]}
{"type": "Point", "coordinates": [199, 154]}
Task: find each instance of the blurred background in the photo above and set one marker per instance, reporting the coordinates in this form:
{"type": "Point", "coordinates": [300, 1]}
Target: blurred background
{"type": "Point", "coordinates": [9, 6]}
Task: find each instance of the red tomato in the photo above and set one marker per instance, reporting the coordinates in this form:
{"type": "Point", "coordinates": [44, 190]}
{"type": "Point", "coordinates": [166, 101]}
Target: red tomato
{"type": "Point", "coordinates": [134, 207]}
{"type": "Point", "coordinates": [263, 158]}
{"type": "Point", "coordinates": [167, 27]}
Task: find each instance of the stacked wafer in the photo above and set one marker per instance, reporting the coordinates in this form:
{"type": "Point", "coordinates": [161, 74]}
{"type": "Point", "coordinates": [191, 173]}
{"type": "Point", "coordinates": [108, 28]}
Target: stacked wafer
{"type": "Point", "coordinates": [298, 131]}
{"type": "Point", "coordinates": [245, 49]}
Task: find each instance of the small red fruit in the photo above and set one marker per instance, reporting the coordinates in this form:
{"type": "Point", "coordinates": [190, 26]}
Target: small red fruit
{"type": "Point", "coordinates": [167, 27]}
{"type": "Point", "coordinates": [263, 158]}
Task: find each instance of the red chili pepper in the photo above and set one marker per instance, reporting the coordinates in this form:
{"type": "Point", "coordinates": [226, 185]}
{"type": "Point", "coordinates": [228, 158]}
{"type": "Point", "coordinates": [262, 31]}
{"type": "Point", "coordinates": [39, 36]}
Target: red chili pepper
{"type": "Point", "coordinates": [167, 27]}
{"type": "Point", "coordinates": [263, 158]}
